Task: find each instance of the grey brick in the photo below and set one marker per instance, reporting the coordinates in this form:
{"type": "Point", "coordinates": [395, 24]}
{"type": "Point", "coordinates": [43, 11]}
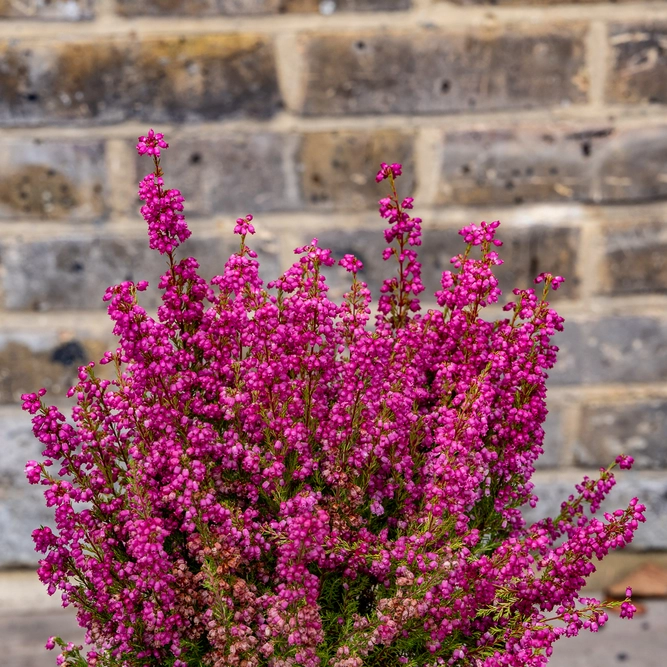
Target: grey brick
{"type": "Point", "coordinates": [337, 169]}
{"type": "Point", "coordinates": [52, 363]}
{"type": "Point", "coordinates": [612, 349]}
{"type": "Point", "coordinates": [638, 429]}
{"type": "Point", "coordinates": [638, 68]}
{"type": "Point", "coordinates": [240, 173]}
{"type": "Point", "coordinates": [633, 165]}
{"type": "Point", "coordinates": [52, 179]}
{"type": "Point", "coordinates": [554, 162]}
{"type": "Point", "coordinates": [635, 258]}
{"type": "Point", "coordinates": [430, 71]}
{"type": "Point", "coordinates": [651, 491]}
{"type": "Point", "coordinates": [516, 165]}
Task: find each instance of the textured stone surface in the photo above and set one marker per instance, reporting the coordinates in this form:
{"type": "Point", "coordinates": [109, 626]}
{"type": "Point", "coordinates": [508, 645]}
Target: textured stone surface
{"type": "Point", "coordinates": [552, 162]}
{"type": "Point", "coordinates": [638, 69]}
{"type": "Point", "coordinates": [516, 165]}
{"type": "Point", "coordinates": [635, 258]}
{"type": "Point", "coordinates": [23, 636]}
{"type": "Point", "coordinates": [22, 506]}
{"type": "Point", "coordinates": [527, 252]}
{"type": "Point", "coordinates": [552, 489]}
{"type": "Point", "coordinates": [337, 169]}
{"type": "Point", "coordinates": [62, 10]}
{"type": "Point", "coordinates": [73, 273]}
{"type": "Point", "coordinates": [430, 71]}
{"type": "Point", "coordinates": [638, 429]}
{"type": "Point", "coordinates": [162, 80]}
{"type": "Point", "coordinates": [252, 7]}
{"type": "Point", "coordinates": [632, 165]}
{"type": "Point", "coordinates": [240, 173]}
{"type": "Point", "coordinates": [24, 369]}
{"type": "Point", "coordinates": [612, 349]}
{"type": "Point", "coordinates": [61, 180]}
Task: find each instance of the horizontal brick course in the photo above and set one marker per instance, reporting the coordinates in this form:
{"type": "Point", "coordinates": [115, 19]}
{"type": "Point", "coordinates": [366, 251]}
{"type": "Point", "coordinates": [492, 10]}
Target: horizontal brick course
{"type": "Point", "coordinates": [73, 273]}
{"type": "Point", "coordinates": [431, 71]}
{"type": "Point", "coordinates": [172, 79]}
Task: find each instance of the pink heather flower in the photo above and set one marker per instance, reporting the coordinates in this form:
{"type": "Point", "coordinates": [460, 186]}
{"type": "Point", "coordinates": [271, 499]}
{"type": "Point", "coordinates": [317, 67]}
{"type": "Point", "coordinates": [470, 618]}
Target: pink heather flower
{"type": "Point", "coordinates": [628, 592]}
{"type": "Point", "coordinates": [386, 170]}
{"type": "Point", "coordinates": [628, 610]}
{"type": "Point", "coordinates": [243, 226]}
{"type": "Point", "coordinates": [33, 472]}
{"type": "Point", "coordinates": [351, 264]}
{"type": "Point", "coordinates": [255, 453]}
{"type": "Point", "coordinates": [625, 461]}
{"type": "Point", "coordinates": [554, 281]}
{"type": "Point", "coordinates": [50, 643]}
{"type": "Point", "coordinates": [151, 144]}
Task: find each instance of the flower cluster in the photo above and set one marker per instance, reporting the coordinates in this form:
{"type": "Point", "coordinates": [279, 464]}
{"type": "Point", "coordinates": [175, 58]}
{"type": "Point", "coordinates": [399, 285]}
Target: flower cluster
{"type": "Point", "coordinates": [270, 480]}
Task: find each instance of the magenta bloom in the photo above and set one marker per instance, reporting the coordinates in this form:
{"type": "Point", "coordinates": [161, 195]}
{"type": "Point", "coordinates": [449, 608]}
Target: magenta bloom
{"type": "Point", "coordinates": [261, 475]}
{"type": "Point", "coordinates": [151, 144]}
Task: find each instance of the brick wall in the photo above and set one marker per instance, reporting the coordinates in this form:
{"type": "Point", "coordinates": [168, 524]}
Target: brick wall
{"type": "Point", "coordinates": [547, 115]}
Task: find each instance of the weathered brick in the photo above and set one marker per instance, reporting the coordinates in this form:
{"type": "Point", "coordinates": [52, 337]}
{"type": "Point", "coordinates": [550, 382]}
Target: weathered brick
{"type": "Point", "coordinates": [553, 488]}
{"type": "Point", "coordinates": [242, 173]}
{"type": "Point", "coordinates": [52, 179]}
{"type": "Point", "coordinates": [430, 71]}
{"type": "Point", "coordinates": [73, 273]}
{"type": "Point", "coordinates": [61, 10]}
{"type": "Point", "coordinates": [593, 163]}
{"type": "Point", "coordinates": [162, 80]}
{"type": "Point", "coordinates": [515, 165]}
{"type": "Point", "coordinates": [526, 254]}
{"type": "Point", "coordinates": [252, 7]}
{"type": "Point", "coordinates": [24, 369]}
{"type": "Point", "coordinates": [635, 258]}
{"type": "Point", "coordinates": [638, 68]}
{"type": "Point", "coordinates": [612, 349]}
{"type": "Point", "coordinates": [337, 169]}
{"type": "Point", "coordinates": [638, 429]}
{"type": "Point", "coordinates": [633, 165]}
{"type": "Point", "coordinates": [22, 507]}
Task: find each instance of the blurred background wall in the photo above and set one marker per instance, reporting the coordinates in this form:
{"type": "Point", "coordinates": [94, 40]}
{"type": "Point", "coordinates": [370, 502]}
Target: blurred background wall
{"type": "Point", "coordinates": [549, 116]}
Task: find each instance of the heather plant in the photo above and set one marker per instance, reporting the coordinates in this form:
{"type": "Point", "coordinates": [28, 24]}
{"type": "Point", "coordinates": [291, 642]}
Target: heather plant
{"type": "Point", "coordinates": [272, 478]}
